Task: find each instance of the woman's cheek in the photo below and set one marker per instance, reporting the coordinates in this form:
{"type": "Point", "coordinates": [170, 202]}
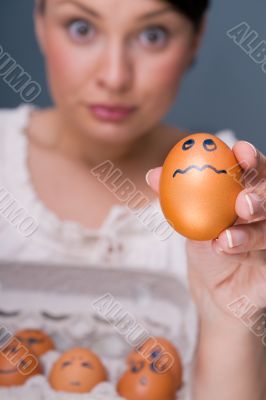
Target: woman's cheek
{"type": "Point", "coordinates": [66, 65]}
{"type": "Point", "coordinates": [174, 67]}
{"type": "Point", "coordinates": [163, 77]}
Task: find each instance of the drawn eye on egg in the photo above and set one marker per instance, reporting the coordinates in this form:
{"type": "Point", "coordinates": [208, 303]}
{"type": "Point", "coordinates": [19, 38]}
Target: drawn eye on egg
{"type": "Point", "coordinates": [66, 364]}
{"type": "Point", "coordinates": [137, 366]}
{"type": "Point", "coordinates": [188, 144]}
{"type": "Point", "coordinates": [209, 145]}
{"type": "Point", "coordinates": [86, 364]}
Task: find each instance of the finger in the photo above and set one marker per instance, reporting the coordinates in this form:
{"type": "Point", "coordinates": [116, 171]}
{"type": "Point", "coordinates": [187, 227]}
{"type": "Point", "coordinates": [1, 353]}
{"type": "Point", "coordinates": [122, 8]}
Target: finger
{"type": "Point", "coordinates": [153, 178]}
{"type": "Point", "coordinates": [250, 205]}
{"type": "Point", "coordinates": [242, 238]}
{"type": "Point", "coordinates": [252, 162]}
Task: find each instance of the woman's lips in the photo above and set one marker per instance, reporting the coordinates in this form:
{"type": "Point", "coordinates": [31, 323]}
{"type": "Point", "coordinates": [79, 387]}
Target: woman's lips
{"type": "Point", "coordinates": [111, 113]}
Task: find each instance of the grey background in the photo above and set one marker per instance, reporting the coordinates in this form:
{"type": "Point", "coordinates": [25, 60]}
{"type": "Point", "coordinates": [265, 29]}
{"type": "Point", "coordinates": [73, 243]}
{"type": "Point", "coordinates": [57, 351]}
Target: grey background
{"type": "Point", "coordinates": [226, 89]}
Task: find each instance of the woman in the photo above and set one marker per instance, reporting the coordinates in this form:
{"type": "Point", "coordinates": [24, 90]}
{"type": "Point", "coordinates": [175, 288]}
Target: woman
{"type": "Point", "coordinates": [114, 68]}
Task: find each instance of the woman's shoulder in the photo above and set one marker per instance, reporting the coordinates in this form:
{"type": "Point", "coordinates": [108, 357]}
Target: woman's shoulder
{"type": "Point", "coordinates": [12, 124]}
{"type": "Point", "coordinates": [11, 115]}
{"type": "Point", "coordinates": [13, 119]}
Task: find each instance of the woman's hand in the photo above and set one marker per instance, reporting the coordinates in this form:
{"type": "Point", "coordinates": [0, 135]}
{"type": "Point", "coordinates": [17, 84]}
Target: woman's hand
{"type": "Point", "coordinates": [233, 265]}
{"type": "Point", "coordinates": [230, 361]}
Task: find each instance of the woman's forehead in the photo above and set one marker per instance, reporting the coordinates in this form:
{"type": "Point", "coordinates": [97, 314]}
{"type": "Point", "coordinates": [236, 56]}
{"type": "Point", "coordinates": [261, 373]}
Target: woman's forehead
{"type": "Point", "coordinates": [128, 11]}
{"type": "Point", "coordinates": [121, 5]}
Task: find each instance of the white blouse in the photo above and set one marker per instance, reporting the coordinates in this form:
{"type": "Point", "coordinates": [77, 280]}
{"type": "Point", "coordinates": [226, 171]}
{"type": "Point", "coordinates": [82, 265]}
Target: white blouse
{"type": "Point", "coordinates": [129, 251]}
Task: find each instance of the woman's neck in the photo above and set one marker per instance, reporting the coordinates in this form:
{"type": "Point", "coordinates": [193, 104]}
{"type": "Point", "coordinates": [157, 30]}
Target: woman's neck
{"type": "Point", "coordinates": [92, 152]}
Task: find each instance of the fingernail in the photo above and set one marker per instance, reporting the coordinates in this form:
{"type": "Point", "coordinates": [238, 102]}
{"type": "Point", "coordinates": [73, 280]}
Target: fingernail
{"type": "Point", "coordinates": [147, 176]}
{"type": "Point", "coordinates": [253, 202]}
{"type": "Point", "coordinates": [236, 239]}
{"type": "Point", "coordinates": [253, 148]}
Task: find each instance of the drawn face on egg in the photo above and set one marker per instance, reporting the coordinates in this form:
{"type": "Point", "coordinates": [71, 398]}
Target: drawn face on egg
{"type": "Point", "coordinates": [162, 354]}
{"type": "Point", "coordinates": [77, 370]}
{"type": "Point", "coordinates": [17, 365]}
{"type": "Point", "coordinates": [37, 340]}
{"type": "Point", "coordinates": [142, 382]}
{"type": "Point", "coordinates": [199, 184]}
{"type": "Point", "coordinates": [200, 145]}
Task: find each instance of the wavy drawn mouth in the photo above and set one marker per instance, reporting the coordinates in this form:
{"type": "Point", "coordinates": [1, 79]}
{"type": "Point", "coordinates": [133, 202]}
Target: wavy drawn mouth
{"type": "Point", "coordinates": [75, 383]}
{"type": "Point", "coordinates": [8, 371]}
{"type": "Point", "coordinates": [184, 171]}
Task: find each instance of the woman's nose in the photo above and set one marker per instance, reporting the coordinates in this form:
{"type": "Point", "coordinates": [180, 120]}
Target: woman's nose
{"type": "Point", "coordinates": [115, 72]}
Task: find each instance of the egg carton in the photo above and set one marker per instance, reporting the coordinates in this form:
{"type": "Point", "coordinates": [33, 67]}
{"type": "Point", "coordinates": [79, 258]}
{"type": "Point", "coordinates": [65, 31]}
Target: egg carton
{"type": "Point", "coordinates": [37, 388]}
{"type": "Point", "coordinates": [60, 299]}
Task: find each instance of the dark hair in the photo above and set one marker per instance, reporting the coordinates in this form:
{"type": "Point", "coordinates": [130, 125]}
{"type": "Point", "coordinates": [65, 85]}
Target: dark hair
{"type": "Point", "coordinates": [192, 9]}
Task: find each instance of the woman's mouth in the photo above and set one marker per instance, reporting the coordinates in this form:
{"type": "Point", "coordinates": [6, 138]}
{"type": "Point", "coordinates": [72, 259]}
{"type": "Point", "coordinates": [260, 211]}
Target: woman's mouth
{"type": "Point", "coordinates": [111, 113]}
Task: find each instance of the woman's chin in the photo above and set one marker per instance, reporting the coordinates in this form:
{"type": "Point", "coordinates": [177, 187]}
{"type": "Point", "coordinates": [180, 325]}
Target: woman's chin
{"type": "Point", "coordinates": [110, 132]}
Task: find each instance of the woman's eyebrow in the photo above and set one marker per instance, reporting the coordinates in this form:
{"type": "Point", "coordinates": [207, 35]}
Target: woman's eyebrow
{"type": "Point", "coordinates": [87, 9]}
{"type": "Point", "coordinates": [155, 13]}
{"type": "Point", "coordinates": [94, 13]}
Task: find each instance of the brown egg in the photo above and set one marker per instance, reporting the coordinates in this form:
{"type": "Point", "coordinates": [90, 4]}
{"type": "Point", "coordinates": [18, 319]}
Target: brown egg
{"type": "Point", "coordinates": [143, 382]}
{"type": "Point", "coordinates": [37, 340]}
{"type": "Point", "coordinates": [77, 370]}
{"type": "Point", "coordinates": [156, 350]}
{"type": "Point", "coordinates": [199, 185]}
{"type": "Point", "coordinates": [17, 364]}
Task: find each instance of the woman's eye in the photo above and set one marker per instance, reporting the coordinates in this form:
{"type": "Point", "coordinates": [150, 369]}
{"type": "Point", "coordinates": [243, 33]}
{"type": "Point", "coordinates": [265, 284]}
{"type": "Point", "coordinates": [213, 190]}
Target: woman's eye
{"type": "Point", "coordinates": [80, 30]}
{"type": "Point", "coordinates": [154, 36]}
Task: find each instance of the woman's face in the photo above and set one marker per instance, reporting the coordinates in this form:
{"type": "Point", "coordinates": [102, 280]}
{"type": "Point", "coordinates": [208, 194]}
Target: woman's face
{"type": "Point", "coordinates": [131, 53]}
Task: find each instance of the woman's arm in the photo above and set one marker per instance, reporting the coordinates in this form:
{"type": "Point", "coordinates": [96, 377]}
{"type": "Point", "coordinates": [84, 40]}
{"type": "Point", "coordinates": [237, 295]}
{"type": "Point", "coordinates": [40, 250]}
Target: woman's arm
{"type": "Point", "coordinates": [230, 362]}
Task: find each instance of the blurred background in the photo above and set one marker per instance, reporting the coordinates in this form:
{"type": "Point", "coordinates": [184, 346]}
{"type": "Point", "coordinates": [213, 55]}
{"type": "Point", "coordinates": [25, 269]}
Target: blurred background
{"type": "Point", "coordinates": [226, 89]}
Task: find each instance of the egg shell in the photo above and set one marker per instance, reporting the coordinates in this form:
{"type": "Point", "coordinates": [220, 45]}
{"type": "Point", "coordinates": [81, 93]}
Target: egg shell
{"type": "Point", "coordinates": [200, 204]}
{"type": "Point", "coordinates": [154, 349]}
{"type": "Point", "coordinates": [17, 364]}
{"type": "Point", "coordinates": [143, 383]}
{"type": "Point", "coordinates": [37, 340]}
{"type": "Point", "coordinates": [77, 370]}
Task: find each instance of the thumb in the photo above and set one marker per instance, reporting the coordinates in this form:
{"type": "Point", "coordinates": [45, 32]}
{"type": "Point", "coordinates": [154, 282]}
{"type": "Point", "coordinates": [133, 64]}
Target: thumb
{"type": "Point", "coordinates": [153, 178]}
